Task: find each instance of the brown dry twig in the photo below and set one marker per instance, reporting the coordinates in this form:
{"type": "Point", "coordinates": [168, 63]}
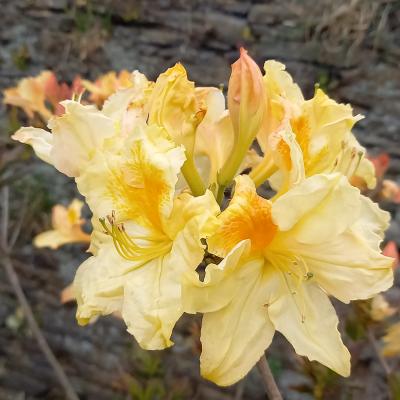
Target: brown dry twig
{"type": "Point", "coordinates": [27, 310]}
{"type": "Point", "coordinates": [382, 361]}
{"type": "Point", "coordinates": [268, 379]}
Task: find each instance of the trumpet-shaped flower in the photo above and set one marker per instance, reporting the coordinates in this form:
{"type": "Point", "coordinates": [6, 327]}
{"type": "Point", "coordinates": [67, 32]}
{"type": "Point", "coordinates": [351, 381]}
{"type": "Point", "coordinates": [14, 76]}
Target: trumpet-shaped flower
{"type": "Point", "coordinates": [322, 128]}
{"type": "Point", "coordinates": [281, 263]}
{"type": "Point", "coordinates": [30, 95]}
{"type": "Point", "coordinates": [41, 94]}
{"type": "Point", "coordinates": [174, 106]}
{"type": "Point", "coordinates": [154, 237]}
{"type": "Point", "coordinates": [67, 227]}
{"type": "Point", "coordinates": [82, 130]}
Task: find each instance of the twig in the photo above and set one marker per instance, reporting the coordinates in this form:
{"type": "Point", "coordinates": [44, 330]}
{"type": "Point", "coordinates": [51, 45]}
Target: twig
{"type": "Point", "coordinates": [17, 229]}
{"type": "Point", "coordinates": [270, 385]}
{"type": "Point", "coordinates": [42, 342]}
{"type": "Point", "coordinates": [240, 389]}
{"type": "Point", "coordinates": [13, 278]}
{"type": "Point", "coordinates": [382, 361]}
{"type": "Point", "coordinates": [5, 217]}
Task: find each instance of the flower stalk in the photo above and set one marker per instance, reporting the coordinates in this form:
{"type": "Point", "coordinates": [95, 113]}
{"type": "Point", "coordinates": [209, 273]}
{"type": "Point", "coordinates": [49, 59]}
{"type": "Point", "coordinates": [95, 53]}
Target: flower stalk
{"type": "Point", "coordinates": [271, 388]}
{"type": "Point", "coordinates": [193, 177]}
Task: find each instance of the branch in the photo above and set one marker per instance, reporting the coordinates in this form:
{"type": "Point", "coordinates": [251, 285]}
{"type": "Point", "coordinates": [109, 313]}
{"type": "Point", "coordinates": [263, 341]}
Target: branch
{"type": "Point", "coordinates": [270, 385]}
{"type": "Point", "coordinates": [13, 278]}
{"type": "Point", "coordinates": [382, 361]}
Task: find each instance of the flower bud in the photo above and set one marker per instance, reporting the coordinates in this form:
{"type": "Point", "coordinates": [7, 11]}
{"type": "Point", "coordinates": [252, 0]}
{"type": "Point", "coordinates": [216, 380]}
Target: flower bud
{"type": "Point", "coordinates": [247, 109]}
{"type": "Point", "coordinates": [246, 99]}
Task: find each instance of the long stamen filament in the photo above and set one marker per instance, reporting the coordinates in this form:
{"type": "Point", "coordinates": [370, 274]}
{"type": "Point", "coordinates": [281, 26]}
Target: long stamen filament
{"type": "Point", "coordinates": [126, 247]}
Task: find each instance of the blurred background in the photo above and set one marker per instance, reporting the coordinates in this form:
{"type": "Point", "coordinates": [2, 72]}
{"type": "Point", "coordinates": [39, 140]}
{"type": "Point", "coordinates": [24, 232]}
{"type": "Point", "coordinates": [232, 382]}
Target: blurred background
{"type": "Point", "coordinates": [351, 48]}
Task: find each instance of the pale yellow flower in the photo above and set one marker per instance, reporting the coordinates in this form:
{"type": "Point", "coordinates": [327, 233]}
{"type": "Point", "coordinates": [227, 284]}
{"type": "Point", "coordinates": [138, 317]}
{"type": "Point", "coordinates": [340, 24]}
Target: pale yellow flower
{"type": "Point", "coordinates": [76, 135]}
{"type": "Point", "coordinates": [322, 128]}
{"type": "Point", "coordinates": [391, 341]}
{"type": "Point", "coordinates": [282, 260]}
{"type": "Point", "coordinates": [67, 227]}
{"type": "Point", "coordinates": [30, 95]}
{"type": "Point", "coordinates": [154, 236]}
{"type": "Point", "coordinates": [153, 164]}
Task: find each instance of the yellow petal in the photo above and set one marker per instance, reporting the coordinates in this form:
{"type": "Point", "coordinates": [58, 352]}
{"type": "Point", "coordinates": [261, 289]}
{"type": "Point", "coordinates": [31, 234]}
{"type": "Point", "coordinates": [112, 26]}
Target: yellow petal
{"type": "Point", "coordinates": [288, 157]}
{"type": "Point", "coordinates": [279, 83]}
{"type": "Point", "coordinates": [217, 289]}
{"type": "Point", "coordinates": [284, 99]}
{"type": "Point", "coordinates": [147, 291]}
{"type": "Point", "coordinates": [248, 216]}
{"type": "Point", "coordinates": [372, 224]}
{"type": "Point", "coordinates": [76, 136]}
{"type": "Point", "coordinates": [63, 219]}
{"type": "Point", "coordinates": [138, 182]}
{"type": "Point", "coordinates": [328, 198]}
{"type": "Point", "coordinates": [306, 317]}
{"type": "Point", "coordinates": [322, 130]}
{"type": "Point", "coordinates": [133, 97]}
{"type": "Point", "coordinates": [55, 239]}
{"type": "Point", "coordinates": [67, 224]}
{"type": "Point", "coordinates": [152, 296]}
{"type": "Point", "coordinates": [345, 266]}
{"type": "Point", "coordinates": [99, 284]}
{"type": "Point", "coordinates": [173, 106]}
{"type": "Point", "coordinates": [235, 329]}
{"type": "Point", "coordinates": [345, 261]}
{"type": "Point", "coordinates": [40, 140]}
{"type": "Point", "coordinates": [214, 135]}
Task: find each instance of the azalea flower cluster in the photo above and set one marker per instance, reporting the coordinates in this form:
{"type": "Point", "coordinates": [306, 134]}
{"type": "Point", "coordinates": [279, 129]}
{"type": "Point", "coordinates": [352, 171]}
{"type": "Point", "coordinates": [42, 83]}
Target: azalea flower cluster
{"type": "Point", "coordinates": [155, 164]}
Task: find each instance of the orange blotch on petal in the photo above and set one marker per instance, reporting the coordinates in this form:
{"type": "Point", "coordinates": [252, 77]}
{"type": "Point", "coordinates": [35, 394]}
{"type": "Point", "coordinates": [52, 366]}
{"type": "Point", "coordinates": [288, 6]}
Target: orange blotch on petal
{"type": "Point", "coordinates": [247, 217]}
{"type": "Point", "coordinates": [140, 189]}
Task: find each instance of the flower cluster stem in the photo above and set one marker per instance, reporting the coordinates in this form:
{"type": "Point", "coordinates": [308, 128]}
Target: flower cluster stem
{"type": "Point", "coordinates": [268, 379]}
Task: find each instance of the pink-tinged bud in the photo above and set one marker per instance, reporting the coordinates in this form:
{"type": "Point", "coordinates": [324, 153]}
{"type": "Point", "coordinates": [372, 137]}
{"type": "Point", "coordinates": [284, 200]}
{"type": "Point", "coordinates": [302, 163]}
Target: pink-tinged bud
{"type": "Point", "coordinates": [247, 109]}
{"type": "Point", "coordinates": [246, 99]}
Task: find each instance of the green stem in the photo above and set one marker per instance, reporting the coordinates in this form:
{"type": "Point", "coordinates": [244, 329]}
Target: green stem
{"type": "Point", "coordinates": [232, 165]}
{"type": "Point", "coordinates": [192, 177]}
